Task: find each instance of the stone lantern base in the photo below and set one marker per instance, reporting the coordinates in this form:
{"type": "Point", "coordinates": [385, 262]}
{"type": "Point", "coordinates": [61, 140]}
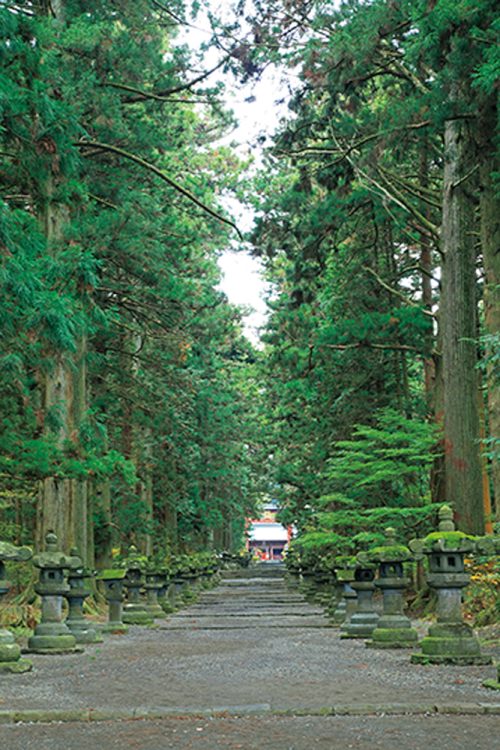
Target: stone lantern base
{"type": "Point", "coordinates": [493, 684]}
{"type": "Point", "coordinates": [139, 616]}
{"type": "Point", "coordinates": [116, 628]}
{"type": "Point", "coordinates": [450, 643]}
{"type": "Point", "coordinates": [155, 610]}
{"type": "Point", "coordinates": [362, 625]}
{"type": "Point", "coordinates": [393, 630]}
{"type": "Point", "coordinates": [56, 641]}
{"type": "Point", "coordinates": [10, 654]}
{"type": "Point", "coordinates": [83, 631]}
{"type": "Point", "coordinates": [391, 634]}
{"type": "Point", "coordinates": [364, 621]}
{"type": "Point", "coordinates": [167, 600]}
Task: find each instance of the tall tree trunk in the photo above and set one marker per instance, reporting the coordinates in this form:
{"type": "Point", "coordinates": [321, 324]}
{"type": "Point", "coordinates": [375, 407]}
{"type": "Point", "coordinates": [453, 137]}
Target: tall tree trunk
{"type": "Point", "coordinates": [62, 504]}
{"type": "Point", "coordinates": [426, 273]}
{"type": "Point", "coordinates": [433, 371]}
{"type": "Point", "coordinates": [489, 165]}
{"type": "Point", "coordinates": [147, 485]}
{"type": "Point", "coordinates": [459, 330]}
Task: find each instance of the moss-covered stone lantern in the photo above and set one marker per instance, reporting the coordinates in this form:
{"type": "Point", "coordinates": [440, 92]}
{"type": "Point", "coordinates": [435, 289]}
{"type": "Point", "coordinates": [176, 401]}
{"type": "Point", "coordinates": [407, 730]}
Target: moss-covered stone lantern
{"type": "Point", "coordinates": [52, 635]}
{"type": "Point", "coordinates": [135, 612]}
{"type": "Point", "coordinates": [347, 602]}
{"type": "Point", "coordinates": [292, 562]}
{"type": "Point", "coordinates": [307, 585]}
{"type": "Point", "coordinates": [189, 593]}
{"type": "Point", "coordinates": [324, 581]}
{"type": "Point", "coordinates": [394, 628]}
{"type": "Point", "coordinates": [166, 594]}
{"type": "Point", "coordinates": [177, 588]}
{"type": "Point", "coordinates": [450, 640]}
{"type": "Point", "coordinates": [78, 591]}
{"type": "Point", "coordinates": [364, 620]}
{"type": "Point", "coordinates": [10, 651]}
{"type": "Point", "coordinates": [113, 581]}
{"type": "Point", "coordinates": [153, 585]}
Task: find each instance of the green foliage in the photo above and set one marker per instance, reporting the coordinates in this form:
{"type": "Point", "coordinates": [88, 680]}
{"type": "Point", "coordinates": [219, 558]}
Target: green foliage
{"type": "Point", "coordinates": [386, 464]}
{"type": "Point", "coordinates": [123, 366]}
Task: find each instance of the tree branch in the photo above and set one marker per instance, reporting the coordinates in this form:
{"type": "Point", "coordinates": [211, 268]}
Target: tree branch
{"type": "Point", "coordinates": [396, 292]}
{"type": "Point", "coordinates": [363, 344]}
{"type": "Point", "coordinates": [159, 173]}
{"type": "Point", "coordinates": [103, 201]}
{"type": "Point", "coordinates": [181, 87]}
{"type": "Point", "coordinates": [151, 95]}
{"type": "Point", "coordinates": [168, 12]}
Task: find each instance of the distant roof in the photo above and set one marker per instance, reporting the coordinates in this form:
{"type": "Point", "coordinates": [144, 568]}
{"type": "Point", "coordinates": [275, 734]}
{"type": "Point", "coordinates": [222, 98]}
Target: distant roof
{"type": "Point", "coordinates": [271, 505]}
{"type": "Point", "coordinates": [267, 532]}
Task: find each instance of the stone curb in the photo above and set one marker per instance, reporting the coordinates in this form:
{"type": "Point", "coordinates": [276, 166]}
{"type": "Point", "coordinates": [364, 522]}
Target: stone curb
{"type": "Point", "coordinates": [123, 714]}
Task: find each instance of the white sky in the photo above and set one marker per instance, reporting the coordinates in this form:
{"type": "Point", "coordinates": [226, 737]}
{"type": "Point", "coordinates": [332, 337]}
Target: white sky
{"type": "Point", "coordinates": [242, 280]}
{"type": "Point", "coordinates": [244, 285]}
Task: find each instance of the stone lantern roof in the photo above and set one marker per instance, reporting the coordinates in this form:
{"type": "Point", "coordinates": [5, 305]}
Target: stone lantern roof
{"type": "Point", "coordinates": [446, 539]}
{"type": "Point", "coordinates": [386, 553]}
{"type": "Point", "coordinates": [52, 557]}
{"type": "Point", "coordinates": [15, 554]}
{"type": "Point", "coordinates": [134, 560]}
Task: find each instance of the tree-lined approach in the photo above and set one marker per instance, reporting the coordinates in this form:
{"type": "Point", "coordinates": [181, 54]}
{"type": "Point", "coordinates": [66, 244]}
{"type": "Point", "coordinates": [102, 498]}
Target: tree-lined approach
{"type": "Point", "coordinates": [133, 408]}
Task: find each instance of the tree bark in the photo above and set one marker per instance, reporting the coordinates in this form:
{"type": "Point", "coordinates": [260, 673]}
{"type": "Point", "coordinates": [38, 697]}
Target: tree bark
{"type": "Point", "coordinates": [489, 165]}
{"type": "Point", "coordinates": [62, 505]}
{"type": "Point", "coordinates": [459, 330]}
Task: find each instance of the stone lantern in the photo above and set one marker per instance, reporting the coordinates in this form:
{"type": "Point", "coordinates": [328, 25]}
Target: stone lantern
{"type": "Point", "coordinates": [52, 635]}
{"type": "Point", "coordinates": [292, 562]}
{"type": "Point", "coordinates": [324, 581]}
{"type": "Point", "coordinates": [166, 594]}
{"type": "Point", "coordinates": [347, 602]}
{"type": "Point", "coordinates": [364, 621]}
{"type": "Point", "coordinates": [77, 575]}
{"type": "Point", "coordinates": [135, 612]}
{"type": "Point", "coordinates": [208, 574]}
{"type": "Point", "coordinates": [307, 586]}
{"type": "Point", "coordinates": [153, 585]}
{"type": "Point", "coordinates": [394, 628]}
{"type": "Point", "coordinates": [450, 640]}
{"type": "Point", "coordinates": [10, 651]}
{"type": "Point", "coordinates": [188, 576]}
{"type": "Point", "coordinates": [178, 586]}
{"type": "Point", "coordinates": [113, 581]}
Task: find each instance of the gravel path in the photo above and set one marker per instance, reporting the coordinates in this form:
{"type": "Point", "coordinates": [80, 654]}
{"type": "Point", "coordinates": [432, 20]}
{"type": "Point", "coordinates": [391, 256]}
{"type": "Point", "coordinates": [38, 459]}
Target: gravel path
{"type": "Point", "coordinates": [247, 647]}
{"type": "Point", "coordinates": [263, 733]}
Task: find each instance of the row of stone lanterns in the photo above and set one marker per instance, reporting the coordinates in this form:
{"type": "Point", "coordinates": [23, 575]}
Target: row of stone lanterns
{"type": "Point", "coordinates": [450, 640]}
{"type": "Point", "coordinates": [64, 576]}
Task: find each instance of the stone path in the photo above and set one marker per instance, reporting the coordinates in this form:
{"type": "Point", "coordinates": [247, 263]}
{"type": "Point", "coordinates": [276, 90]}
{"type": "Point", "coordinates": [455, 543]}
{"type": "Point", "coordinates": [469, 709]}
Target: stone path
{"type": "Point", "coordinates": [249, 649]}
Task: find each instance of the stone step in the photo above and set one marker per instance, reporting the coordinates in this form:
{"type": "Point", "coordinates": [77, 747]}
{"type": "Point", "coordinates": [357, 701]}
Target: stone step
{"type": "Point", "coordinates": [272, 613]}
{"type": "Point", "coordinates": [228, 623]}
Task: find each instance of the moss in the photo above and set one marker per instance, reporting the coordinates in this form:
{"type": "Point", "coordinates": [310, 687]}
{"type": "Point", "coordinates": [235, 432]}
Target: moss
{"type": "Point", "coordinates": [390, 553]}
{"type": "Point", "coordinates": [16, 667]}
{"type": "Point", "coordinates": [448, 540]}
{"type": "Point", "coordinates": [111, 574]}
{"type": "Point", "coordinates": [344, 561]}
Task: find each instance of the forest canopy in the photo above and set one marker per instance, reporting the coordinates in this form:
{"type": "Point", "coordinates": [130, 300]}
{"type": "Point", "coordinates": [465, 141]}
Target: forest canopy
{"type": "Point", "coordinates": [133, 407]}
